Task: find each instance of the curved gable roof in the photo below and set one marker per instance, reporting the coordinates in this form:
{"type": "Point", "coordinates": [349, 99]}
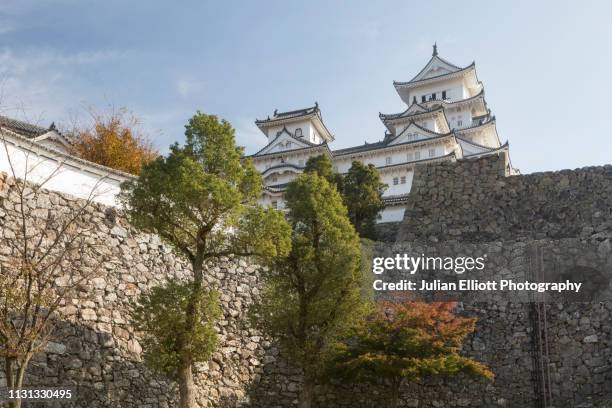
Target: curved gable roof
{"type": "Point", "coordinates": [281, 166]}
{"type": "Point", "coordinates": [298, 113]}
{"type": "Point", "coordinates": [435, 61]}
{"type": "Point", "coordinates": [416, 80]}
{"type": "Point", "coordinates": [412, 125]}
{"type": "Point", "coordinates": [285, 133]}
{"type": "Point", "coordinates": [412, 110]}
{"type": "Point", "coordinates": [278, 118]}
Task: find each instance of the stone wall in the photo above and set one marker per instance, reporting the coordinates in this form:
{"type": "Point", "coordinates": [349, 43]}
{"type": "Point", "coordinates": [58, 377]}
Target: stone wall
{"type": "Point", "coordinates": [468, 206]}
{"type": "Point", "coordinates": [387, 231]}
{"type": "Point", "coordinates": [473, 206]}
{"type": "Point", "coordinates": [473, 200]}
{"type": "Point", "coordinates": [579, 333]}
{"type": "Point", "coordinates": [96, 351]}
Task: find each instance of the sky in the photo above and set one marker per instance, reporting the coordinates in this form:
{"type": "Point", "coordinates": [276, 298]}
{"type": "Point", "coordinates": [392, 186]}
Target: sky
{"type": "Point", "coordinates": [545, 65]}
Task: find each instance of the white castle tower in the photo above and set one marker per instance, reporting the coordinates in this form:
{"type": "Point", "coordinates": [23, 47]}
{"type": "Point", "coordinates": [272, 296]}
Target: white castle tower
{"type": "Point", "coordinates": [446, 118]}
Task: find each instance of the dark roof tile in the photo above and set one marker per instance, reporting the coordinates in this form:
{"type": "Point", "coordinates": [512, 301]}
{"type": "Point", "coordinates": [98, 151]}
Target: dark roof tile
{"type": "Point", "coordinates": [23, 128]}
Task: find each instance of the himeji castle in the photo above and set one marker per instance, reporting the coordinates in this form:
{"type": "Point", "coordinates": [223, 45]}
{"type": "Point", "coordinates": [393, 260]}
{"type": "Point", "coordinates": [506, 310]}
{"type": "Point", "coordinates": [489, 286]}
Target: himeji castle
{"type": "Point", "coordinates": [446, 118]}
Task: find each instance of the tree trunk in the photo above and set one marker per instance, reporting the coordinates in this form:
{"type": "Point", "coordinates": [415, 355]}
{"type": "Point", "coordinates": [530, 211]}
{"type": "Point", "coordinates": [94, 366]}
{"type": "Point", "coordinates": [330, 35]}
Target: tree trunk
{"type": "Point", "coordinates": [8, 372]}
{"type": "Point", "coordinates": [15, 403]}
{"type": "Point", "coordinates": [307, 393]}
{"type": "Point", "coordinates": [186, 386]}
{"type": "Point", "coordinates": [185, 375]}
{"type": "Point", "coordinates": [394, 394]}
{"type": "Point", "coordinates": [14, 379]}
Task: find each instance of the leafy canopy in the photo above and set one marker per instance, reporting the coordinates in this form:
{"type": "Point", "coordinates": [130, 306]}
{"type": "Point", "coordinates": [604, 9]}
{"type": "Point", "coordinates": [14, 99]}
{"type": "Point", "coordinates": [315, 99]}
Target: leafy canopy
{"type": "Point", "coordinates": [363, 192]}
{"type": "Point", "coordinates": [114, 140]}
{"type": "Point", "coordinates": [323, 166]}
{"type": "Point", "coordinates": [162, 313]}
{"type": "Point", "coordinates": [202, 198]}
{"type": "Point", "coordinates": [313, 295]}
{"type": "Point", "coordinates": [409, 340]}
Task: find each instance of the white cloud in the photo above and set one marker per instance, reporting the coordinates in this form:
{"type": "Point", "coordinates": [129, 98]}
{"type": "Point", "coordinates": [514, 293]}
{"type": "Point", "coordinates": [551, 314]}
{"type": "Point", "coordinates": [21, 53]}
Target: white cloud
{"type": "Point", "coordinates": [32, 59]}
{"type": "Point", "coordinates": [187, 86]}
{"type": "Point", "coordinates": [44, 82]}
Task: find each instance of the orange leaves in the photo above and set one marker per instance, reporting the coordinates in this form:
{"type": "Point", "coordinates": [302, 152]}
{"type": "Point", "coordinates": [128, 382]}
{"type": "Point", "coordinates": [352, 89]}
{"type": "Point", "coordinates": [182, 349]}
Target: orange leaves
{"type": "Point", "coordinates": [432, 326]}
{"type": "Point", "coordinates": [407, 340]}
{"type": "Point", "coordinates": [114, 141]}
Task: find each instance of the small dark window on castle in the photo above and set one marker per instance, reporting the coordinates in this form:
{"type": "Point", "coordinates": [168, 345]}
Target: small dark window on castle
{"type": "Point", "coordinates": [443, 94]}
{"type": "Point", "coordinates": [298, 132]}
{"type": "Point", "coordinates": [423, 98]}
{"type": "Point", "coordinates": [433, 96]}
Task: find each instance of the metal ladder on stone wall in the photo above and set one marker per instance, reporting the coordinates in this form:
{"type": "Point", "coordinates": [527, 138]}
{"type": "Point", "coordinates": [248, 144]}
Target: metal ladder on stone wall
{"type": "Point", "coordinates": [543, 382]}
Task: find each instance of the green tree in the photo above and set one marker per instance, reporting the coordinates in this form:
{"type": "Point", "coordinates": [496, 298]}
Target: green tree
{"type": "Point", "coordinates": [161, 313]}
{"type": "Point", "coordinates": [201, 199]}
{"type": "Point", "coordinates": [363, 192]}
{"type": "Point", "coordinates": [323, 166]}
{"type": "Point", "coordinates": [405, 341]}
{"type": "Point", "coordinates": [312, 296]}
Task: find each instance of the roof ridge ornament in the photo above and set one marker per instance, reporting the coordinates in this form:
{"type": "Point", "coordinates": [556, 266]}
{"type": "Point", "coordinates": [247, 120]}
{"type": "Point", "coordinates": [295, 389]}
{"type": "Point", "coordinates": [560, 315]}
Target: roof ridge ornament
{"type": "Point", "coordinates": [435, 50]}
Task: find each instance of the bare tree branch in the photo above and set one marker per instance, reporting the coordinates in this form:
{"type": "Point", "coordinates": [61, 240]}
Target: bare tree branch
{"type": "Point", "coordinates": [48, 243]}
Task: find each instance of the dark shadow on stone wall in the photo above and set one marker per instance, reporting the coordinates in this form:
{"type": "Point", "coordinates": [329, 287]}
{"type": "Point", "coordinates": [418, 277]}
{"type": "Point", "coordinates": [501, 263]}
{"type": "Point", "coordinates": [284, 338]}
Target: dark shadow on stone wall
{"type": "Point", "coordinates": [99, 373]}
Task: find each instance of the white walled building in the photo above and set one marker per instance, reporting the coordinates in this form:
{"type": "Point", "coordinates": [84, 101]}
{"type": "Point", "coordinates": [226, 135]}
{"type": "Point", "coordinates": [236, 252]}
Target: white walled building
{"type": "Point", "coordinates": [446, 118]}
{"type": "Point", "coordinates": [41, 155]}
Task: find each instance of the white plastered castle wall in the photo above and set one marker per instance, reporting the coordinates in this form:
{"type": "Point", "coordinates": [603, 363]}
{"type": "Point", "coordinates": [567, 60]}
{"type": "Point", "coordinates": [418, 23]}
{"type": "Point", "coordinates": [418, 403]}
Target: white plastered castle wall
{"type": "Point", "coordinates": [58, 171]}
